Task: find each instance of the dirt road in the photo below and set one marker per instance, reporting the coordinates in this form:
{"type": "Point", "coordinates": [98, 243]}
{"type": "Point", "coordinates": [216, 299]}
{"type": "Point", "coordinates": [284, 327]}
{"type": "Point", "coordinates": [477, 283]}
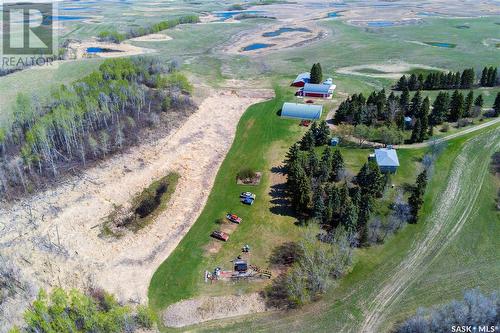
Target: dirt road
{"type": "Point", "coordinates": [54, 236]}
{"type": "Point", "coordinates": [451, 210]}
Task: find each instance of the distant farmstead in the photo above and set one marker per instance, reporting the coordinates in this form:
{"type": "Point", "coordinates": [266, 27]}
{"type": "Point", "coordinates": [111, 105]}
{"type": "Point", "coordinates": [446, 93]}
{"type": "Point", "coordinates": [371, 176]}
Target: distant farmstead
{"type": "Point", "coordinates": [301, 111]}
{"type": "Point", "coordinates": [387, 160]}
{"type": "Point", "coordinates": [317, 90]}
{"type": "Point", "coordinates": [301, 79]}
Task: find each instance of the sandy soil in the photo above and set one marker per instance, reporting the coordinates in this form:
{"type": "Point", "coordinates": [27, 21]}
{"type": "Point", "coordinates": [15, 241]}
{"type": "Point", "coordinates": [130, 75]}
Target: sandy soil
{"type": "Point", "coordinates": [198, 310]}
{"type": "Point", "coordinates": [451, 211]}
{"type": "Point", "coordinates": [54, 236]}
{"type": "Point", "coordinates": [78, 49]}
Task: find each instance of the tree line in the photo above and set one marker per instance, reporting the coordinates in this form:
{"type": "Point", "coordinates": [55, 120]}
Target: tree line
{"type": "Point", "coordinates": [448, 80]}
{"type": "Point", "coordinates": [89, 119]}
{"type": "Point", "coordinates": [389, 113]}
{"type": "Point", "coordinates": [117, 37]}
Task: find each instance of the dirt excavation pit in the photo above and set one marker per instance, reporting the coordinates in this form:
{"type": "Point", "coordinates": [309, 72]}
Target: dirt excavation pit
{"type": "Point", "coordinates": [53, 237]}
{"type": "Point", "coordinates": [198, 310]}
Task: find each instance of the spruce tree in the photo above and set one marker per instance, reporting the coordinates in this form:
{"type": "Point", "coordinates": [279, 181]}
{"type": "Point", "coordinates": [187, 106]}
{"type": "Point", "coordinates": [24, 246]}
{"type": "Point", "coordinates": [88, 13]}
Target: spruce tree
{"type": "Point", "coordinates": [416, 103]}
{"type": "Point", "coordinates": [404, 101]}
{"type": "Point", "coordinates": [292, 155]}
{"type": "Point", "coordinates": [322, 134]}
{"type": "Point", "coordinates": [469, 102]}
{"type": "Point", "coordinates": [479, 102]}
{"type": "Point", "coordinates": [319, 207]}
{"type": "Point", "coordinates": [325, 165]}
{"type": "Point", "coordinates": [496, 106]}
{"type": "Point", "coordinates": [349, 218]}
{"type": "Point", "coordinates": [307, 142]}
{"type": "Point", "coordinates": [415, 133]}
{"type": "Point", "coordinates": [316, 74]}
{"type": "Point", "coordinates": [312, 163]}
{"type": "Point", "coordinates": [337, 165]}
{"type": "Point", "coordinates": [413, 83]}
{"type": "Point", "coordinates": [402, 83]}
{"type": "Point", "coordinates": [456, 106]}
{"type": "Point", "coordinates": [484, 77]}
{"type": "Point", "coordinates": [424, 119]}
{"type": "Point", "coordinates": [301, 190]}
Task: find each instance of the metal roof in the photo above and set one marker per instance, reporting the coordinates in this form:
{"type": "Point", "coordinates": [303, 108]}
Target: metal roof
{"type": "Point", "coordinates": [303, 77]}
{"type": "Point", "coordinates": [317, 88]}
{"type": "Point", "coordinates": [301, 111]}
{"type": "Point", "coordinates": [386, 157]}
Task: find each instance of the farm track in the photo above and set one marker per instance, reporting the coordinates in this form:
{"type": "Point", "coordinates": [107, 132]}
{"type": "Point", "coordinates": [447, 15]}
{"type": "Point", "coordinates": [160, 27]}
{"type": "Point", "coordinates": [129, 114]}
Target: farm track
{"type": "Point", "coordinates": [451, 211]}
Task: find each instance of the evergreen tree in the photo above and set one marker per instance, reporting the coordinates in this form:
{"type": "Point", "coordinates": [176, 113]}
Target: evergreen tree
{"type": "Point", "coordinates": [416, 103]}
{"type": "Point", "coordinates": [416, 131]}
{"type": "Point", "coordinates": [365, 210]}
{"type": "Point", "coordinates": [496, 106]}
{"type": "Point", "coordinates": [413, 83]}
{"type": "Point", "coordinates": [319, 207]}
{"type": "Point", "coordinates": [349, 218]}
{"type": "Point", "coordinates": [370, 179]}
{"type": "Point", "coordinates": [312, 163]}
{"type": "Point", "coordinates": [484, 77]}
{"type": "Point", "coordinates": [456, 106]}
{"type": "Point", "coordinates": [325, 165]}
{"type": "Point", "coordinates": [467, 78]}
{"type": "Point", "coordinates": [402, 83]}
{"type": "Point", "coordinates": [333, 206]}
{"type": "Point", "coordinates": [322, 134]}
{"type": "Point", "coordinates": [308, 141]}
{"type": "Point", "coordinates": [404, 101]}
{"type": "Point", "coordinates": [439, 109]}
{"type": "Point", "coordinates": [469, 101]}
{"type": "Point", "coordinates": [316, 74]}
{"type": "Point", "coordinates": [292, 155]}
{"type": "Point", "coordinates": [424, 119]}
{"type": "Point", "coordinates": [417, 193]}
{"type": "Point", "coordinates": [337, 165]}
{"type": "Point", "coordinates": [300, 190]}
{"type": "Point", "coordinates": [343, 194]}
{"type": "Point", "coordinates": [479, 102]}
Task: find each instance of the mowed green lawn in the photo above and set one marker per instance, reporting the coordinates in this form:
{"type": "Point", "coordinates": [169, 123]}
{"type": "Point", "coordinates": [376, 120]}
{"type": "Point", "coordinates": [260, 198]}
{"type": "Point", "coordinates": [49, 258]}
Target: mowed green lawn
{"type": "Point", "coordinates": [469, 261]}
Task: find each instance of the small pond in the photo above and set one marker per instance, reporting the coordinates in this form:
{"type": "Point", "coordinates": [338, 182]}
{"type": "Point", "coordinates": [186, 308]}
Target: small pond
{"type": "Point", "coordinates": [284, 30]}
{"type": "Point", "coordinates": [230, 14]}
{"type": "Point", "coordinates": [100, 50]}
{"type": "Point", "coordinates": [379, 24]}
{"type": "Point", "coordinates": [334, 14]}
{"type": "Point", "coordinates": [257, 46]}
{"type": "Point", "coordinates": [438, 44]}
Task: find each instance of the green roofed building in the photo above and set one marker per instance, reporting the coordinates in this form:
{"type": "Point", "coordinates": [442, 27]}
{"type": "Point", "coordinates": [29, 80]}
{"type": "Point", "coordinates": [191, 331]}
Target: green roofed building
{"type": "Point", "coordinates": [301, 111]}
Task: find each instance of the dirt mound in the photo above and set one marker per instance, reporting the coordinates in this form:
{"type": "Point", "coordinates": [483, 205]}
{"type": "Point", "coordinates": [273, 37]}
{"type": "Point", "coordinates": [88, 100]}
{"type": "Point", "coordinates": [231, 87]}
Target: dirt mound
{"type": "Point", "coordinates": [198, 310]}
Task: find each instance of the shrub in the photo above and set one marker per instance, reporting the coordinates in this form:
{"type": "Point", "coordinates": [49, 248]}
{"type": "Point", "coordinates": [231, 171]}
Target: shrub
{"type": "Point", "coordinates": [247, 173]}
{"type": "Point", "coordinates": [145, 317]}
{"type": "Point", "coordinates": [445, 128]}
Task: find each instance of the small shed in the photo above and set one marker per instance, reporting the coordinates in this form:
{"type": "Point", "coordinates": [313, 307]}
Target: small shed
{"type": "Point", "coordinates": [301, 79]}
{"type": "Point", "coordinates": [301, 111]}
{"type": "Point", "coordinates": [387, 160]}
{"type": "Point", "coordinates": [334, 142]}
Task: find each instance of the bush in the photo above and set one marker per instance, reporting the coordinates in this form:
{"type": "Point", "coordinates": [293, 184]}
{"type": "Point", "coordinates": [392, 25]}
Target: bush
{"type": "Point", "coordinates": [445, 128]}
{"type": "Point", "coordinates": [145, 317]}
{"type": "Point", "coordinates": [247, 173]}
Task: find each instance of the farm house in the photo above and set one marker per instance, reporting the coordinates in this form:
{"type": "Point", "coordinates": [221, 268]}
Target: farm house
{"type": "Point", "coordinates": [317, 90]}
{"type": "Point", "coordinates": [387, 160]}
{"type": "Point", "coordinates": [301, 111]}
{"type": "Point", "coordinates": [301, 79]}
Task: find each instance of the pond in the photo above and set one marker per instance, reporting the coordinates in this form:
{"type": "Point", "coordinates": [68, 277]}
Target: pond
{"type": "Point", "coordinates": [334, 14]}
{"type": "Point", "coordinates": [257, 46]}
{"type": "Point", "coordinates": [230, 14]}
{"type": "Point", "coordinates": [439, 44]}
{"type": "Point", "coordinates": [379, 24]}
{"type": "Point", "coordinates": [100, 50]}
{"type": "Point", "coordinates": [284, 30]}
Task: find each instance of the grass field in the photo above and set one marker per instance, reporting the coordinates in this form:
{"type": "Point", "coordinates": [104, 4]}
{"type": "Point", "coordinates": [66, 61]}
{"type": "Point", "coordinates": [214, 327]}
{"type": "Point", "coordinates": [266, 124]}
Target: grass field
{"type": "Point", "coordinates": [467, 260]}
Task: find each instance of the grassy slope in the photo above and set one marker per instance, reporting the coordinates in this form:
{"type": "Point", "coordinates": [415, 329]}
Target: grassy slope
{"type": "Point", "coordinates": [468, 262]}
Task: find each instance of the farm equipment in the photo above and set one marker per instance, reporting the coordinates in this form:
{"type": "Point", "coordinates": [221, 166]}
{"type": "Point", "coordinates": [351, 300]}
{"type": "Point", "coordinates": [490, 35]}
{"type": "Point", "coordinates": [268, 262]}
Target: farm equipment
{"type": "Point", "coordinates": [241, 271]}
{"type": "Point", "coordinates": [220, 235]}
{"type": "Point", "coordinates": [234, 218]}
{"type": "Point", "coordinates": [305, 123]}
